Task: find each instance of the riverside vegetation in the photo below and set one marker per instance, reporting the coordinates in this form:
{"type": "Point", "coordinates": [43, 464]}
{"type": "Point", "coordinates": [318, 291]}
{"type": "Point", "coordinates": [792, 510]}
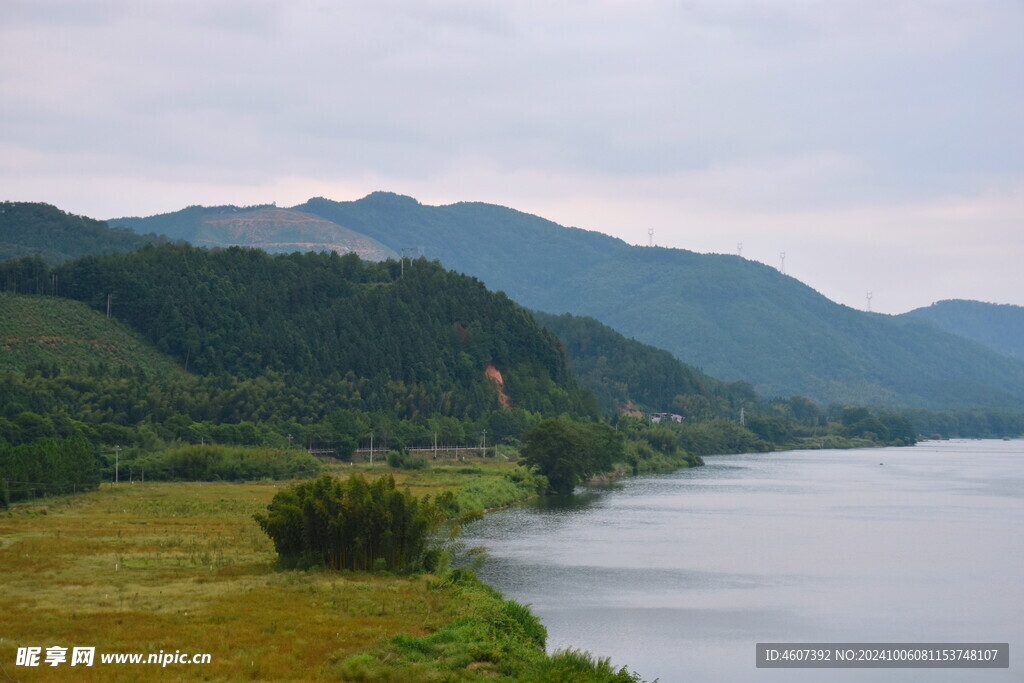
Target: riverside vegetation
{"type": "Point", "coordinates": [140, 567]}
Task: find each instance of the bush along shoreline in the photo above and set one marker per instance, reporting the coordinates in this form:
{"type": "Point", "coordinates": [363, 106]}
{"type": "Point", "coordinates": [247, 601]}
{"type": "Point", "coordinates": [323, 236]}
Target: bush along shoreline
{"type": "Point", "coordinates": [358, 525]}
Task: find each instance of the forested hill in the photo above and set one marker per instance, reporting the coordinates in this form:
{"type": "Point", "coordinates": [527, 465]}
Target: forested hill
{"type": "Point", "coordinates": [434, 341]}
{"type": "Point", "coordinates": [34, 229]}
{"type": "Point", "coordinates": [624, 374]}
{"type": "Point", "coordinates": [998, 326]}
{"type": "Point", "coordinates": [733, 318]}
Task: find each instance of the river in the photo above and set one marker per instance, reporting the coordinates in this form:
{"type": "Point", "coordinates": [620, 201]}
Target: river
{"type": "Point", "coordinates": [678, 576]}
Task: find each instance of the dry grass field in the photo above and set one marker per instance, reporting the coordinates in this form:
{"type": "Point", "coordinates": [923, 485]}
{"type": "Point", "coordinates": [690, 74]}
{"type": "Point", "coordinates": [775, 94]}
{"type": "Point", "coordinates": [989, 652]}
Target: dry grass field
{"type": "Point", "coordinates": [182, 566]}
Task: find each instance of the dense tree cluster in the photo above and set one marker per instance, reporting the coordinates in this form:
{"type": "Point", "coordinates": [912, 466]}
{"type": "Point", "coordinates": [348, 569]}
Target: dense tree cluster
{"type": "Point", "coordinates": [46, 466]}
{"type": "Point", "coordinates": [135, 410]}
{"type": "Point", "coordinates": [349, 524]}
{"type": "Point", "coordinates": [318, 317]}
{"type": "Point", "coordinates": [568, 452]}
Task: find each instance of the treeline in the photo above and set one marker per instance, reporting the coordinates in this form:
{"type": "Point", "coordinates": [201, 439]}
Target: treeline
{"type": "Point", "coordinates": [44, 232]}
{"type": "Point", "coordinates": [569, 453]}
{"type": "Point", "coordinates": [777, 424]}
{"type": "Point", "coordinates": [223, 463]}
{"type": "Point", "coordinates": [968, 424]}
{"type": "Point", "coordinates": [798, 420]}
{"type": "Point", "coordinates": [46, 466]}
{"type": "Point", "coordinates": [147, 413]}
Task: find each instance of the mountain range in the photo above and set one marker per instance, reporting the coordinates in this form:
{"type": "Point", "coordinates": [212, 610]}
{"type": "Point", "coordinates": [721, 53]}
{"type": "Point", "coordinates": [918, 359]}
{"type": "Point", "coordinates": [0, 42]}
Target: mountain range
{"type": "Point", "coordinates": [734, 319]}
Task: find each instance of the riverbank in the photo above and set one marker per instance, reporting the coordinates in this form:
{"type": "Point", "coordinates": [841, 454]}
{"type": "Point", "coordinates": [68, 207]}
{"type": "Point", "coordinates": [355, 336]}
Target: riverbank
{"type": "Point", "coordinates": [182, 567]}
{"type": "Point", "coordinates": [679, 575]}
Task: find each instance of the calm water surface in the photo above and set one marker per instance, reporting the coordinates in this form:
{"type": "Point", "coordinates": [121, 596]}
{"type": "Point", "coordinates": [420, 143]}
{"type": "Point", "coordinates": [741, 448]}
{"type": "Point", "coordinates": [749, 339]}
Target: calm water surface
{"type": "Point", "coordinates": [679, 575]}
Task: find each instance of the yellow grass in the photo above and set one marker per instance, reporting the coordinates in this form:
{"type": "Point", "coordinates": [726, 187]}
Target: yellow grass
{"type": "Point", "coordinates": [182, 566]}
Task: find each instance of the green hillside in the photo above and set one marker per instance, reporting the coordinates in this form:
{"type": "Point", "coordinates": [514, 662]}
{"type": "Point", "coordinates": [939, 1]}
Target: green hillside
{"type": "Point", "coordinates": [998, 326]}
{"type": "Point", "coordinates": [438, 340]}
{"type": "Point", "coordinates": [43, 333]}
{"type": "Point", "coordinates": [625, 374]}
{"type": "Point", "coordinates": [34, 229]}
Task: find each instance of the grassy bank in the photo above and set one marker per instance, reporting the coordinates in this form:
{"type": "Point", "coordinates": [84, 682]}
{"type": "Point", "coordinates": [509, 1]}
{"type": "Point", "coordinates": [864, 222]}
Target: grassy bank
{"type": "Point", "coordinates": [183, 566]}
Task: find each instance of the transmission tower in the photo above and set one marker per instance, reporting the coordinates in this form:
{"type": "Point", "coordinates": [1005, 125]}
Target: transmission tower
{"type": "Point", "coordinates": [412, 253]}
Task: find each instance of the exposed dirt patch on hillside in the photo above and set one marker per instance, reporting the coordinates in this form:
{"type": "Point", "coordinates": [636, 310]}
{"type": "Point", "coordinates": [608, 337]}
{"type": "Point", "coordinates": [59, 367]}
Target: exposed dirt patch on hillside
{"type": "Point", "coordinates": [494, 374]}
{"type": "Point", "coordinates": [285, 230]}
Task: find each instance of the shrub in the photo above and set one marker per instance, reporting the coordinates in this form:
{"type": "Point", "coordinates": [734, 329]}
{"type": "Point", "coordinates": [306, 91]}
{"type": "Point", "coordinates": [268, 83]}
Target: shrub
{"type": "Point", "coordinates": [227, 463]}
{"type": "Point", "coordinates": [404, 461]}
{"type": "Point", "coordinates": [349, 525]}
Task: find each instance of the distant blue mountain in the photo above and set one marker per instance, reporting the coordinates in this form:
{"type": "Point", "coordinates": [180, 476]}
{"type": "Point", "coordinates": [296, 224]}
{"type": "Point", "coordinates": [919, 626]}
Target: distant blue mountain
{"type": "Point", "coordinates": [998, 326]}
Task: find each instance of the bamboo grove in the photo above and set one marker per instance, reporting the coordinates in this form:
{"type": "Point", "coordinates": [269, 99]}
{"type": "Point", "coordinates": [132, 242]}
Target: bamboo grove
{"type": "Point", "coordinates": [349, 524]}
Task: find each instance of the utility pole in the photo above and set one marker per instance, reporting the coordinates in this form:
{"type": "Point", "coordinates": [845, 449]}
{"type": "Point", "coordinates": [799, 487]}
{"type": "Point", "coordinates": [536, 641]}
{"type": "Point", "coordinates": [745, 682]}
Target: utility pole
{"type": "Point", "coordinates": [117, 464]}
{"type": "Point", "coordinates": [650, 237]}
{"type": "Point", "coordinates": [743, 417]}
{"type": "Point", "coordinates": [870, 294]}
{"type": "Point", "coordinates": [108, 305]}
{"type": "Point", "coordinates": [782, 258]}
{"type": "Point", "coordinates": [371, 448]}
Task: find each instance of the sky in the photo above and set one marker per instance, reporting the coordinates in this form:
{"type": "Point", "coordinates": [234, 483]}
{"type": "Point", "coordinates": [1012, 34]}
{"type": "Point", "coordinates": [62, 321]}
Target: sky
{"type": "Point", "coordinates": [878, 145]}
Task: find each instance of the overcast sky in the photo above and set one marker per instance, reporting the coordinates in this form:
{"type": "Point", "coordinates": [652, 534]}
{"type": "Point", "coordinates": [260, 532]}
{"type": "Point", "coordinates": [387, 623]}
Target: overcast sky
{"type": "Point", "coordinates": [878, 144]}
